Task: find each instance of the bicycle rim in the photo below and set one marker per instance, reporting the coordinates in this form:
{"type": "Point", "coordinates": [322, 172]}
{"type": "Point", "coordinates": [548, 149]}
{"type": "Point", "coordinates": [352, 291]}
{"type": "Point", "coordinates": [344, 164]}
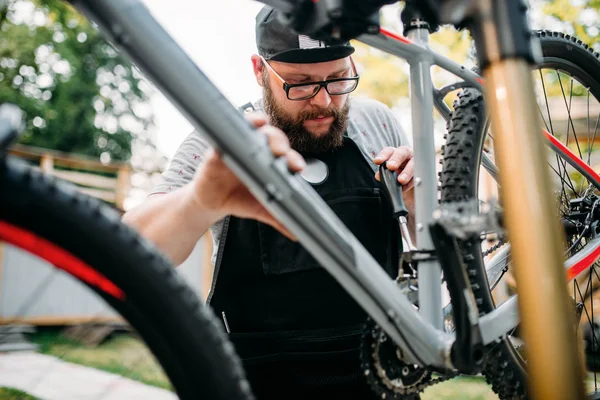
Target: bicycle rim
{"type": "Point", "coordinates": [567, 83]}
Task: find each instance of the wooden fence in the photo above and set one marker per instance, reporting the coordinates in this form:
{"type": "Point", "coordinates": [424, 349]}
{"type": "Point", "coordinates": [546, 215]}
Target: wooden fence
{"type": "Point", "coordinates": [108, 182]}
{"type": "Point", "coordinates": [65, 301]}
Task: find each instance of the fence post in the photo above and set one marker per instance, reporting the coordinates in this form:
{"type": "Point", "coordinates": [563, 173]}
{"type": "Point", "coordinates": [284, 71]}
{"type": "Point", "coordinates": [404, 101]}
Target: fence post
{"type": "Point", "coordinates": [47, 163]}
{"type": "Point", "coordinates": [122, 186]}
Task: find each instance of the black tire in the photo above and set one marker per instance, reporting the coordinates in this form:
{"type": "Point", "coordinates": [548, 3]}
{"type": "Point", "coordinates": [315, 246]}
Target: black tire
{"type": "Point", "coordinates": [504, 368]}
{"type": "Point", "coordinates": [181, 332]}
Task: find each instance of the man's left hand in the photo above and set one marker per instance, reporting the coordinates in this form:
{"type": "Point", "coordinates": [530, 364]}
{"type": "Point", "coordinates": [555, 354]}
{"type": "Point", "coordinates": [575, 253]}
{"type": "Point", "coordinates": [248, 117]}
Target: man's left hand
{"type": "Point", "coordinates": [398, 159]}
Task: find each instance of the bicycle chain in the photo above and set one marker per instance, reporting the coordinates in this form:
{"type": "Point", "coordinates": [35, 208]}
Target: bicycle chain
{"type": "Point", "coordinates": [371, 360]}
{"type": "Point", "coordinates": [501, 242]}
{"type": "Point", "coordinates": [384, 387]}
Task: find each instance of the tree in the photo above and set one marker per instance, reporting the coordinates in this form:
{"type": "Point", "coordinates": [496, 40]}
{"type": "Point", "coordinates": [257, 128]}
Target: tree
{"type": "Point", "coordinates": [385, 77]}
{"type": "Point", "coordinates": [575, 17]}
{"type": "Point", "coordinates": [78, 94]}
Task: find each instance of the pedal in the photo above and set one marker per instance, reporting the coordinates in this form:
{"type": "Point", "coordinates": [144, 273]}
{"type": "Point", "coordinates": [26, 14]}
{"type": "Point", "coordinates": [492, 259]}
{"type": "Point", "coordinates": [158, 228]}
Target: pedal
{"type": "Point", "coordinates": [467, 219]}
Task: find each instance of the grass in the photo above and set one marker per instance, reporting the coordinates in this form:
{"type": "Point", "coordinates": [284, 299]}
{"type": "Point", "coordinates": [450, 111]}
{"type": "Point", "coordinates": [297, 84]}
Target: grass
{"type": "Point", "coordinates": [127, 356]}
{"type": "Point", "coordinates": [461, 388]}
{"type": "Point", "coordinates": [122, 354]}
{"type": "Point", "coordinates": [14, 394]}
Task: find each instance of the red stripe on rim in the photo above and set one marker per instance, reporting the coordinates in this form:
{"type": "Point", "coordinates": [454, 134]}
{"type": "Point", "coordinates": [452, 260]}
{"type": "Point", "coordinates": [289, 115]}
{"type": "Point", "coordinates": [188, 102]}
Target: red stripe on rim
{"type": "Point", "coordinates": [59, 257]}
{"type": "Point", "coordinates": [395, 36]}
{"type": "Point", "coordinates": [586, 262]}
{"type": "Point", "coordinates": [583, 264]}
{"type": "Point", "coordinates": [571, 155]}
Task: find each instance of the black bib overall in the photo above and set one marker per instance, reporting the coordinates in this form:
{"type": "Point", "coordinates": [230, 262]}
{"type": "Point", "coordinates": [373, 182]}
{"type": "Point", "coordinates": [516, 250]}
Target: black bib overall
{"type": "Point", "coordinates": [292, 324]}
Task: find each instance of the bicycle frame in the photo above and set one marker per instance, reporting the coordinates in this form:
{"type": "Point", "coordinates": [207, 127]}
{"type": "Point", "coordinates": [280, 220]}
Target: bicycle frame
{"type": "Point", "coordinates": [293, 201]}
{"type": "Point", "coordinates": [505, 317]}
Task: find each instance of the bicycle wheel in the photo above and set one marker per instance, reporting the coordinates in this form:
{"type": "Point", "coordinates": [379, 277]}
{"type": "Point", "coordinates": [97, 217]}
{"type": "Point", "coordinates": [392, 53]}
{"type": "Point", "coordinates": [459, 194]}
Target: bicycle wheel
{"type": "Point", "coordinates": [568, 89]}
{"type": "Point", "coordinates": [86, 239]}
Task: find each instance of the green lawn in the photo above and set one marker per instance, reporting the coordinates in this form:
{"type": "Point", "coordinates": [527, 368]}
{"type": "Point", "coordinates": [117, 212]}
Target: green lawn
{"type": "Point", "coordinates": [461, 388]}
{"type": "Point", "coordinates": [123, 355]}
{"type": "Point", "coordinates": [14, 394]}
{"type": "Point", "coordinates": [128, 356]}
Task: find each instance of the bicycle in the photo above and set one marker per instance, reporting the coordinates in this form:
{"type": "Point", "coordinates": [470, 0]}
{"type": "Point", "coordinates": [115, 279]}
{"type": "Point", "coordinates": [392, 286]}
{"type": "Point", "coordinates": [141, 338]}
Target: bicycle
{"type": "Point", "coordinates": [196, 355]}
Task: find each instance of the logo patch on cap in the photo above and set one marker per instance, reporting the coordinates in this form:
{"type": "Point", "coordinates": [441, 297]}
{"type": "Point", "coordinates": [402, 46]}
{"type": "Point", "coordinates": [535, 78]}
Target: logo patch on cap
{"type": "Point", "coordinates": [305, 42]}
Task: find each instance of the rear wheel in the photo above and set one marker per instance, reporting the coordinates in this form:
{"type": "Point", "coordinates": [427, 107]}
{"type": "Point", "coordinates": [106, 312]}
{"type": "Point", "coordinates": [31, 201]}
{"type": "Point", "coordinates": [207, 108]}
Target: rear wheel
{"type": "Point", "coordinates": [86, 239]}
{"type": "Point", "coordinates": [568, 89]}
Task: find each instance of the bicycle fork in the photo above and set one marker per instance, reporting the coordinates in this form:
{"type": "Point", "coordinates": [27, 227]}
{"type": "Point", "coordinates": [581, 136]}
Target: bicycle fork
{"type": "Point", "coordinates": [553, 362]}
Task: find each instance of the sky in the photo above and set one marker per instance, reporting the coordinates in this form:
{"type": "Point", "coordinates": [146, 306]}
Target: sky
{"type": "Point", "coordinates": [219, 37]}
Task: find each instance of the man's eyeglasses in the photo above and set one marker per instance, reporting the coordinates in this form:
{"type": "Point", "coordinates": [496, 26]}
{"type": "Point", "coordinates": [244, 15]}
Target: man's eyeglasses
{"type": "Point", "coordinates": [305, 91]}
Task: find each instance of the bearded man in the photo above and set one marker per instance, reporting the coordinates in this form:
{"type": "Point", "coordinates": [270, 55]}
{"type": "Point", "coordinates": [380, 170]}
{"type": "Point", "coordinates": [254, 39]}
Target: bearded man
{"type": "Point", "coordinates": [296, 330]}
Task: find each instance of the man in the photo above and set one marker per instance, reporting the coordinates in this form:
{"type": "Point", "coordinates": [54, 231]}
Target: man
{"type": "Point", "coordinates": [295, 328]}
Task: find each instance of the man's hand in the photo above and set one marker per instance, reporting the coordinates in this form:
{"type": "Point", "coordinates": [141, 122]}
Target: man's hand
{"type": "Point", "coordinates": [219, 192]}
{"type": "Point", "coordinates": [401, 159]}
{"type": "Point", "coordinates": [398, 159]}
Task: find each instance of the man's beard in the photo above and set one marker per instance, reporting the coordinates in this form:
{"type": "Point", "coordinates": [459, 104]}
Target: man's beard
{"type": "Point", "coordinates": [301, 139]}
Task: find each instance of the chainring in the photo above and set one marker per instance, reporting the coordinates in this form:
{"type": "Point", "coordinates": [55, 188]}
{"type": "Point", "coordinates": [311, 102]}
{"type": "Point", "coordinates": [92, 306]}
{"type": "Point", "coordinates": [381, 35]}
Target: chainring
{"type": "Point", "coordinates": [388, 375]}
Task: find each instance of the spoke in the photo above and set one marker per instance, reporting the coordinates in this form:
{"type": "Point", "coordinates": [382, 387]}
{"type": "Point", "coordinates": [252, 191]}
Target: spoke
{"type": "Point", "coordinates": [582, 299]}
{"type": "Point", "coordinates": [588, 287]}
{"type": "Point", "coordinates": [590, 144]}
{"type": "Point", "coordinates": [593, 324]}
{"type": "Point", "coordinates": [86, 325]}
{"type": "Point", "coordinates": [596, 129]}
{"type": "Point", "coordinates": [569, 124]}
{"type": "Point", "coordinates": [569, 118]}
{"type": "Point", "coordinates": [563, 195]}
{"type": "Point", "coordinates": [559, 160]}
{"type": "Point", "coordinates": [561, 176]}
{"type": "Point", "coordinates": [566, 174]}
{"type": "Point", "coordinates": [40, 378]}
{"type": "Point", "coordinates": [547, 106]}
{"type": "Point", "coordinates": [35, 294]}
{"type": "Point", "coordinates": [595, 272]}
{"type": "Point", "coordinates": [590, 317]}
{"type": "Point", "coordinates": [543, 119]}
{"type": "Point", "coordinates": [573, 125]}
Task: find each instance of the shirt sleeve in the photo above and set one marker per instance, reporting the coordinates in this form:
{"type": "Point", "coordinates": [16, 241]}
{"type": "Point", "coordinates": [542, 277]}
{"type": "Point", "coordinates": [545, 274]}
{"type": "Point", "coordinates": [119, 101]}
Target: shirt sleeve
{"type": "Point", "coordinates": [396, 133]}
{"type": "Point", "coordinates": [183, 165]}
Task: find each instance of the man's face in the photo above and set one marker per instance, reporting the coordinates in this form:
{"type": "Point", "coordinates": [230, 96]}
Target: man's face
{"type": "Point", "coordinates": [315, 125]}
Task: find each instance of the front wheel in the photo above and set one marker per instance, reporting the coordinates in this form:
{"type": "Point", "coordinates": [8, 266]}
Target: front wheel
{"type": "Point", "coordinates": [568, 90]}
{"type": "Point", "coordinates": [79, 236]}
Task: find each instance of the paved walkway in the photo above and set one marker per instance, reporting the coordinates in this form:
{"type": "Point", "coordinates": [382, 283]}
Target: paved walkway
{"type": "Point", "coordinates": [50, 378]}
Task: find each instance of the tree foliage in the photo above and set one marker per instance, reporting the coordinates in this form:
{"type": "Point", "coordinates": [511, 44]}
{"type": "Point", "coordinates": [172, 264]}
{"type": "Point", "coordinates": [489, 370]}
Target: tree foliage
{"type": "Point", "coordinates": [385, 77]}
{"type": "Point", "coordinates": [79, 95]}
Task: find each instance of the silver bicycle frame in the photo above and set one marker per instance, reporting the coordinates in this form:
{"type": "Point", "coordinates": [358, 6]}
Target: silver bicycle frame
{"type": "Point", "coordinates": [505, 317]}
{"type": "Point", "coordinates": [293, 201]}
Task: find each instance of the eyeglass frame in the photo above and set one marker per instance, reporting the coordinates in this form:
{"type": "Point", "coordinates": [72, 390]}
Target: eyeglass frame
{"type": "Point", "coordinates": [322, 84]}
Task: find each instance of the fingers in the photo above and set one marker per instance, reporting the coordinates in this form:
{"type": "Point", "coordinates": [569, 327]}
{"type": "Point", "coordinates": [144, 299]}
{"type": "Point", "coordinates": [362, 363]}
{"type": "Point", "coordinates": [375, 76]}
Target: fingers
{"type": "Point", "coordinates": [257, 118]}
{"type": "Point", "coordinates": [398, 159]}
{"type": "Point", "coordinates": [280, 146]}
{"type": "Point", "coordinates": [384, 155]}
{"type": "Point", "coordinates": [296, 162]}
{"type": "Point", "coordinates": [277, 140]}
{"type": "Point", "coordinates": [395, 157]}
{"type": "Point", "coordinates": [406, 175]}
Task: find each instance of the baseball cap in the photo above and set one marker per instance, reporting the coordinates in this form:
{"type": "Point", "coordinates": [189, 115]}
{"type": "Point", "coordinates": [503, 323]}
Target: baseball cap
{"type": "Point", "coordinates": [276, 41]}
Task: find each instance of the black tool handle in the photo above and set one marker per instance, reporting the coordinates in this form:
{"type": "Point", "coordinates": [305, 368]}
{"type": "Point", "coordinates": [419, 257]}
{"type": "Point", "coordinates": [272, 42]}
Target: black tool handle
{"type": "Point", "coordinates": [393, 190]}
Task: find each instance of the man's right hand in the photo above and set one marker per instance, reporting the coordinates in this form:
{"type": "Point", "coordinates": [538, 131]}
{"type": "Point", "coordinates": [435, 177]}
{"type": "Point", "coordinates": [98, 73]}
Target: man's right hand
{"type": "Point", "coordinates": [219, 192]}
